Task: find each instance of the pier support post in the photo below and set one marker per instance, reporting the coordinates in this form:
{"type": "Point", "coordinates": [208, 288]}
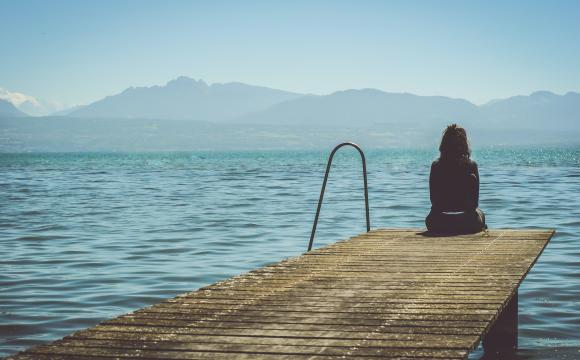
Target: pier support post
{"type": "Point", "coordinates": [502, 338]}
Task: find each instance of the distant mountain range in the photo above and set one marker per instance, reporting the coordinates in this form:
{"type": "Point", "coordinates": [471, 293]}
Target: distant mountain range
{"type": "Point", "coordinates": [540, 110]}
{"type": "Point", "coordinates": [188, 114]}
{"type": "Point", "coordinates": [188, 99]}
{"type": "Point", "coordinates": [366, 106]}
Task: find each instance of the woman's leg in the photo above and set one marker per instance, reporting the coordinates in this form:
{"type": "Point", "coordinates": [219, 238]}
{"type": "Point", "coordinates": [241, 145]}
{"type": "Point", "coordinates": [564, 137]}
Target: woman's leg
{"type": "Point", "coordinates": [472, 222]}
{"type": "Point", "coordinates": [481, 216]}
{"type": "Point", "coordinates": [440, 223]}
{"type": "Point", "coordinates": [429, 222]}
{"type": "Point", "coordinates": [466, 223]}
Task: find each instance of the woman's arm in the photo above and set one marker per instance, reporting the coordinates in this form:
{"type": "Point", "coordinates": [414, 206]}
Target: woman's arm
{"type": "Point", "coordinates": [475, 185]}
{"type": "Point", "coordinates": [434, 186]}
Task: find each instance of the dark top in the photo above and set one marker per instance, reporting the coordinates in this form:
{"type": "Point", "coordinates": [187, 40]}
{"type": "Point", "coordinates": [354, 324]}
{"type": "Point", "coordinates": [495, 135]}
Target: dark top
{"type": "Point", "coordinates": [454, 185]}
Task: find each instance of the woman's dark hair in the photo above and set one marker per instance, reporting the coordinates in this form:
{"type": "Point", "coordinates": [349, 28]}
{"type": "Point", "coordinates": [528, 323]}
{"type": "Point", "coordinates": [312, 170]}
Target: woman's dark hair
{"type": "Point", "coordinates": [454, 144]}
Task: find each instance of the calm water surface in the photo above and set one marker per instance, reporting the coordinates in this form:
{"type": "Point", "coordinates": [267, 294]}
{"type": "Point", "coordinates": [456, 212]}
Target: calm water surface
{"type": "Point", "coordinates": [84, 237]}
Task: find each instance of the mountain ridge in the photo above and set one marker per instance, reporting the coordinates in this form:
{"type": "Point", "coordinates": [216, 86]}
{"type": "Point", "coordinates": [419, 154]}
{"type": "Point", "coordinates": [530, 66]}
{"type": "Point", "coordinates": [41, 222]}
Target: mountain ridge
{"type": "Point", "coordinates": [185, 98]}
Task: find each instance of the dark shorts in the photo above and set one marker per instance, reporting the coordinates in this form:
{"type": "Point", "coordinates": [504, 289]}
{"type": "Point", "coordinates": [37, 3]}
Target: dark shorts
{"type": "Point", "coordinates": [468, 222]}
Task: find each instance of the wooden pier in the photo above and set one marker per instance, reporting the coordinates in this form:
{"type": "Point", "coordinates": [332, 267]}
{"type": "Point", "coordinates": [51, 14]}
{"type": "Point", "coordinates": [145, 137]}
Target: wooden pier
{"type": "Point", "coordinates": [389, 293]}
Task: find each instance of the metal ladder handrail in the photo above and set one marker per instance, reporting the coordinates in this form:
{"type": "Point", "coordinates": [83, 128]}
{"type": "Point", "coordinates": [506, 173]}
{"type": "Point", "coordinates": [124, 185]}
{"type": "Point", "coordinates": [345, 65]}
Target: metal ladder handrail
{"type": "Point", "coordinates": [364, 166]}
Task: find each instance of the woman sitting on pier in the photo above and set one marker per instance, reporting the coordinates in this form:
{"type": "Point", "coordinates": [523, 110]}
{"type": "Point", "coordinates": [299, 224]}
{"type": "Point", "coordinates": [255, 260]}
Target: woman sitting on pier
{"type": "Point", "coordinates": [454, 187]}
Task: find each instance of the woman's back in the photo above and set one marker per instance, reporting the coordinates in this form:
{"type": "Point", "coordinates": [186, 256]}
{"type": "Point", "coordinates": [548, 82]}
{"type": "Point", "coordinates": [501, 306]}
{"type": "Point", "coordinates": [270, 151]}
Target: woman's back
{"type": "Point", "coordinates": [454, 185]}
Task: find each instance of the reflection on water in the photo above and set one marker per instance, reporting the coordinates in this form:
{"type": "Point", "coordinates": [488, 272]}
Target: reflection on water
{"type": "Point", "coordinates": [86, 237]}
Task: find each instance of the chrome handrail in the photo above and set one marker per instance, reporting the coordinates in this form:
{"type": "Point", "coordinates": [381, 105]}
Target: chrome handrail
{"type": "Point", "coordinates": [364, 166]}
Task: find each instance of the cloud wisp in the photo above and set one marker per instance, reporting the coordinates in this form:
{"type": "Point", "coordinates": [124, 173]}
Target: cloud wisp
{"type": "Point", "coordinates": [29, 104]}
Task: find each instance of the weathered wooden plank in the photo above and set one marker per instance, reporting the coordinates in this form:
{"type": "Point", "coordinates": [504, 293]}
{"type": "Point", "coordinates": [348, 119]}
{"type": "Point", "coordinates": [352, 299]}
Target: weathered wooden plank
{"type": "Point", "coordinates": [199, 341]}
{"type": "Point", "coordinates": [415, 319]}
{"type": "Point", "coordinates": [390, 293]}
{"type": "Point", "coordinates": [216, 351]}
{"type": "Point", "coordinates": [308, 329]}
{"type": "Point", "coordinates": [118, 332]}
{"type": "Point", "coordinates": [231, 356]}
{"type": "Point", "coordinates": [368, 325]}
{"type": "Point", "coordinates": [300, 307]}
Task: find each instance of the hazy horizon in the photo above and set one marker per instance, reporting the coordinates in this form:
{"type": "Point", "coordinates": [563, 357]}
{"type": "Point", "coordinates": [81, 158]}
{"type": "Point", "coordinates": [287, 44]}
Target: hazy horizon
{"type": "Point", "coordinates": [23, 102]}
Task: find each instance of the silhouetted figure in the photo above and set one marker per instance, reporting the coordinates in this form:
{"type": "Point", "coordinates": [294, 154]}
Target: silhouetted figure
{"type": "Point", "coordinates": [454, 187]}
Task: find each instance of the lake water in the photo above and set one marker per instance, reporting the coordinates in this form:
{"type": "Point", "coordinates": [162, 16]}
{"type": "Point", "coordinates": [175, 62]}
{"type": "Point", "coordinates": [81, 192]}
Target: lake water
{"type": "Point", "coordinates": [85, 237]}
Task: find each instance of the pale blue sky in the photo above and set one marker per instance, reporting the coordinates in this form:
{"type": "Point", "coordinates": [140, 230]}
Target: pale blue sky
{"type": "Point", "coordinates": [76, 52]}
